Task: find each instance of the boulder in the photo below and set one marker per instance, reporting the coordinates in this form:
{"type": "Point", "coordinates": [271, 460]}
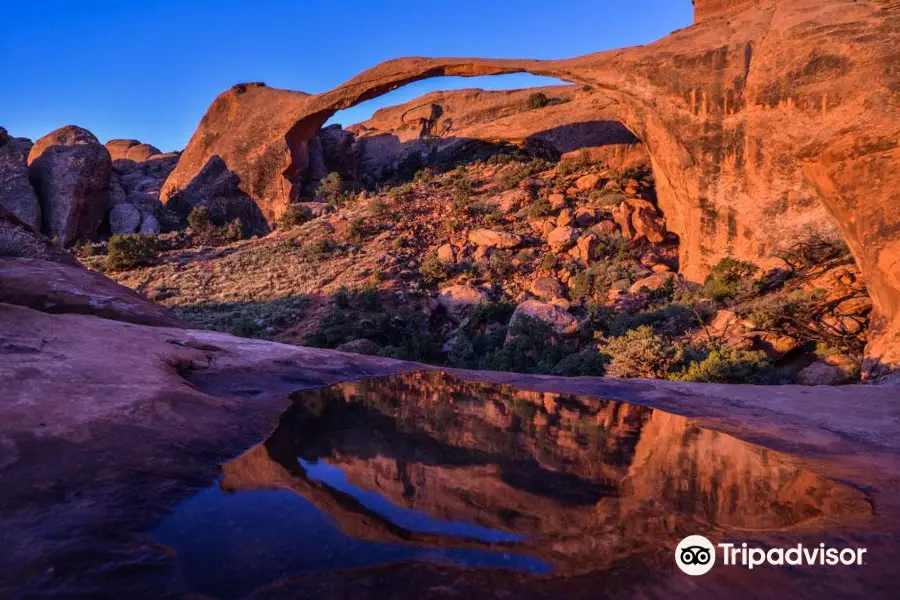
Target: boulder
{"type": "Point", "coordinates": [646, 221]}
{"type": "Point", "coordinates": [547, 288]}
{"type": "Point", "coordinates": [562, 322]}
{"type": "Point", "coordinates": [446, 254]}
{"type": "Point", "coordinates": [557, 201]}
{"type": "Point", "coordinates": [821, 373]}
{"type": "Point", "coordinates": [585, 217]}
{"type": "Point", "coordinates": [149, 225]}
{"type": "Point", "coordinates": [124, 218]}
{"type": "Point", "coordinates": [622, 217]}
{"type": "Point", "coordinates": [588, 182]}
{"type": "Point", "coordinates": [586, 248]}
{"type": "Point", "coordinates": [490, 238]}
{"type": "Point", "coordinates": [512, 200]}
{"type": "Point", "coordinates": [724, 320]}
{"type": "Point", "coordinates": [16, 193]}
{"type": "Point", "coordinates": [360, 346]}
{"type": "Point", "coordinates": [70, 171]}
{"type": "Point", "coordinates": [562, 238]}
{"type": "Point", "coordinates": [565, 218]}
{"type": "Point", "coordinates": [457, 300]}
{"type": "Point", "coordinates": [132, 150]}
{"type": "Point", "coordinates": [653, 283]}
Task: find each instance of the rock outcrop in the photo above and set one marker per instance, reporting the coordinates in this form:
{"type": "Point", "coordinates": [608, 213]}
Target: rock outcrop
{"type": "Point", "coordinates": [70, 171]}
{"type": "Point", "coordinates": [218, 189]}
{"type": "Point", "coordinates": [440, 127]}
{"type": "Point", "coordinates": [132, 150]}
{"type": "Point", "coordinates": [16, 193]}
{"type": "Point", "coordinates": [785, 111]}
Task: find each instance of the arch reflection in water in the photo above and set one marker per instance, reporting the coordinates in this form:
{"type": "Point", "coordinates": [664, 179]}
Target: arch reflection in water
{"type": "Point", "coordinates": [427, 466]}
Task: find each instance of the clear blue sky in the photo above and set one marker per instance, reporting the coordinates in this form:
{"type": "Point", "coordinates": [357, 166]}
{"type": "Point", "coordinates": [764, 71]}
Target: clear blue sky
{"type": "Point", "coordinates": [149, 69]}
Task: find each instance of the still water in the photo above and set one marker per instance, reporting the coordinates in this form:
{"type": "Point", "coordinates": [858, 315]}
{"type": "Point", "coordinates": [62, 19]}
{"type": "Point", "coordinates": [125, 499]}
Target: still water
{"type": "Point", "coordinates": [429, 467]}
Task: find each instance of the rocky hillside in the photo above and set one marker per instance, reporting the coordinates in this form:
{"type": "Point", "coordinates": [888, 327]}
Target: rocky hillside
{"type": "Point", "coordinates": [516, 263]}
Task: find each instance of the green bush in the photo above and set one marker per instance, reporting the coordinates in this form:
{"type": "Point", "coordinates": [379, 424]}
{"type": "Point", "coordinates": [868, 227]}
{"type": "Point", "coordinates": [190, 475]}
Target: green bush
{"type": "Point", "coordinates": [587, 363]}
{"type": "Point", "coordinates": [358, 230]}
{"type": "Point", "coordinates": [432, 269]}
{"type": "Point", "coordinates": [539, 208]}
{"type": "Point", "coordinates": [538, 100]}
{"type": "Point", "coordinates": [731, 279]}
{"type": "Point", "coordinates": [532, 347]}
{"type": "Point", "coordinates": [130, 251]}
{"type": "Point", "coordinates": [728, 365]}
{"type": "Point", "coordinates": [199, 220]}
{"type": "Point", "coordinates": [333, 190]}
{"type": "Point", "coordinates": [294, 215]}
{"type": "Point", "coordinates": [370, 298]}
{"type": "Point", "coordinates": [318, 249]}
{"type": "Point", "coordinates": [643, 353]}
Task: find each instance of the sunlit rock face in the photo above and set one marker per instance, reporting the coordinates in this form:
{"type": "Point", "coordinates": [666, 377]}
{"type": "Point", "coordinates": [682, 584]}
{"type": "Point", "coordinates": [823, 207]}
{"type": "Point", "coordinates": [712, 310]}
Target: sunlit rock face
{"type": "Point", "coordinates": [564, 483]}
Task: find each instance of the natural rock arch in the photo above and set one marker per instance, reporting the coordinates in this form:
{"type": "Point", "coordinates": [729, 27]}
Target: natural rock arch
{"type": "Point", "coordinates": [763, 120]}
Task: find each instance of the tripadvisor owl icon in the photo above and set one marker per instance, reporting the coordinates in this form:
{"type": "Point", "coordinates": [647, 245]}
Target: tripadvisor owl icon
{"type": "Point", "coordinates": [695, 555]}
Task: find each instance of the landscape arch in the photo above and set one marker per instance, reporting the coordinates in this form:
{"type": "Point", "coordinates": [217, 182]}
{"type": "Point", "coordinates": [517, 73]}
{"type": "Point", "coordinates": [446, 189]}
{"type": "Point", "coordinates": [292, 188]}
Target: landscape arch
{"type": "Point", "coordinates": [755, 139]}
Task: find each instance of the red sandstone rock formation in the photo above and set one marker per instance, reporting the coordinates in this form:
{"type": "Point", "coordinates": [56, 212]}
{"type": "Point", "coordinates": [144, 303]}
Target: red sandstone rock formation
{"type": "Point", "coordinates": [763, 120]}
{"type": "Point", "coordinates": [70, 171]}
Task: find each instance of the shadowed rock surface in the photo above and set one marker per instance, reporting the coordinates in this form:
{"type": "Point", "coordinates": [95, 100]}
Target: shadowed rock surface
{"type": "Point", "coordinates": [16, 193]}
{"type": "Point", "coordinates": [70, 171]}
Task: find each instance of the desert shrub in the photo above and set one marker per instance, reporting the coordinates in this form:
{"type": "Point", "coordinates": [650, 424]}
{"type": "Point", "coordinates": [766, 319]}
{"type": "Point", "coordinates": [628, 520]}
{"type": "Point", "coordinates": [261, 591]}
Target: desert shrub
{"type": "Point", "coordinates": [515, 175]}
{"type": "Point", "coordinates": [731, 279]}
{"type": "Point", "coordinates": [549, 262]}
{"type": "Point", "coordinates": [599, 278]}
{"type": "Point", "coordinates": [538, 100]}
{"type": "Point", "coordinates": [728, 365]}
{"type": "Point", "coordinates": [802, 315]}
{"type": "Point", "coordinates": [380, 209]}
{"type": "Point", "coordinates": [587, 363]}
{"type": "Point", "coordinates": [814, 249]}
{"type": "Point", "coordinates": [359, 230]}
{"type": "Point", "coordinates": [498, 266]}
{"type": "Point", "coordinates": [342, 298]}
{"type": "Point", "coordinates": [131, 250]}
{"type": "Point", "coordinates": [199, 219]}
{"type": "Point", "coordinates": [205, 231]}
{"type": "Point", "coordinates": [319, 248]}
{"type": "Point", "coordinates": [246, 319]}
{"type": "Point", "coordinates": [499, 311]}
{"type": "Point", "coordinates": [432, 269]}
{"type": "Point", "coordinates": [334, 328]}
{"type": "Point", "coordinates": [424, 176]}
{"type": "Point", "coordinates": [539, 208]}
{"type": "Point", "coordinates": [333, 190]}
{"type": "Point", "coordinates": [294, 215]}
{"type": "Point", "coordinates": [670, 321]}
{"type": "Point", "coordinates": [369, 297]}
{"type": "Point", "coordinates": [571, 166]}
{"type": "Point", "coordinates": [232, 232]}
{"type": "Point", "coordinates": [643, 353]}
{"type": "Point", "coordinates": [532, 347]}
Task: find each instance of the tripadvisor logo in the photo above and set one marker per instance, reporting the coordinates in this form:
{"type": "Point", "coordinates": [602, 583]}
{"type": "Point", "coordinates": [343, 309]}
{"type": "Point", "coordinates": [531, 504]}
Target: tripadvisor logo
{"type": "Point", "coordinates": [696, 555]}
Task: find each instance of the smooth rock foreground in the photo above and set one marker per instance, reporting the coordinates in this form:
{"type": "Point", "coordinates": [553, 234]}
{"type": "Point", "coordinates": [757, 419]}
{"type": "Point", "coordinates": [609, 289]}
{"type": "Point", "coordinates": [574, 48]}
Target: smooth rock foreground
{"type": "Point", "coordinates": [106, 424]}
